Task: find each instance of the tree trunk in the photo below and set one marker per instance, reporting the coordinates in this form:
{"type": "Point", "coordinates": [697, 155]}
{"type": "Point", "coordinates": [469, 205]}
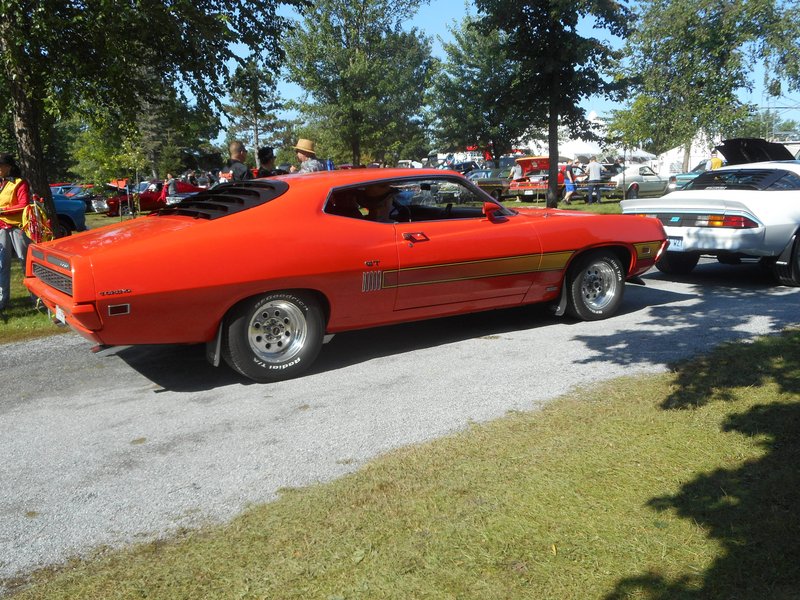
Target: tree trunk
{"type": "Point", "coordinates": [552, 142]}
{"type": "Point", "coordinates": [687, 154]}
{"type": "Point", "coordinates": [26, 110]}
{"type": "Point", "coordinates": [256, 142]}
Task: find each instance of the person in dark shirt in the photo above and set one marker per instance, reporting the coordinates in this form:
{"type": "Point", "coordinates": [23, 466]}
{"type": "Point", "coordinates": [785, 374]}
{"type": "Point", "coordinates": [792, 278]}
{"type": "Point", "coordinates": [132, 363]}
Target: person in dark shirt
{"type": "Point", "coordinates": [237, 170]}
{"type": "Point", "coordinates": [266, 157]}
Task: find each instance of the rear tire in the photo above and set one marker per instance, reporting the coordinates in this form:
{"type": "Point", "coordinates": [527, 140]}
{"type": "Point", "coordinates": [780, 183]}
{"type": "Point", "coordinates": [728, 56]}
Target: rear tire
{"type": "Point", "coordinates": [595, 286]}
{"type": "Point", "coordinates": [632, 193]}
{"type": "Point", "coordinates": [273, 337]}
{"type": "Point", "coordinates": [677, 263]}
{"type": "Point", "coordinates": [788, 274]}
{"type": "Point", "coordinates": [64, 228]}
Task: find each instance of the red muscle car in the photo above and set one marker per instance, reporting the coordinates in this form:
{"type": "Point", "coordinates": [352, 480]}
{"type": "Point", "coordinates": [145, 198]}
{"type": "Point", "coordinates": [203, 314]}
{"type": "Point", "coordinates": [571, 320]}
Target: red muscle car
{"type": "Point", "coordinates": [150, 198]}
{"type": "Point", "coordinates": [536, 175]}
{"type": "Point", "coordinates": [264, 271]}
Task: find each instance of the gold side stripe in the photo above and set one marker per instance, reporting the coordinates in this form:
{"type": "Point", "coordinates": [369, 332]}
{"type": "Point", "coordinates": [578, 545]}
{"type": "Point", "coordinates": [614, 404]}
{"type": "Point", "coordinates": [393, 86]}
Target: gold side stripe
{"type": "Point", "coordinates": [552, 261]}
{"type": "Point", "coordinates": [432, 281]}
{"type": "Point", "coordinates": [469, 262]}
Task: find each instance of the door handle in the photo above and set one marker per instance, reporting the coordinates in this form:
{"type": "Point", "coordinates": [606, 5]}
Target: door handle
{"type": "Point", "coordinates": [415, 236]}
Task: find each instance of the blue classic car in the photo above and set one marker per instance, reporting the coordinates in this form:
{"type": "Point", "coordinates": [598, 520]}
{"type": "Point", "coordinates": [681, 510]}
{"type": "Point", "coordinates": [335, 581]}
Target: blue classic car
{"type": "Point", "coordinates": [71, 214]}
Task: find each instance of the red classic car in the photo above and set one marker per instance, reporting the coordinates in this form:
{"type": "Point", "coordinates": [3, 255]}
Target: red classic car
{"type": "Point", "coordinates": [263, 271]}
{"type": "Point", "coordinates": [150, 198]}
{"type": "Point", "coordinates": [535, 177]}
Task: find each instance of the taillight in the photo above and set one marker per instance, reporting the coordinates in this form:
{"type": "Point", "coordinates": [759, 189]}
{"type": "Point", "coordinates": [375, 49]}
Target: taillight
{"type": "Point", "coordinates": [726, 221]}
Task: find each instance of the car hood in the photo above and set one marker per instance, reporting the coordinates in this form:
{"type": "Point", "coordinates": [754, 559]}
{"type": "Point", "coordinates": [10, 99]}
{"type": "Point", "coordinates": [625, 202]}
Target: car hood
{"type": "Point", "coordinates": [97, 241]}
{"type": "Point", "coordinates": [739, 151]}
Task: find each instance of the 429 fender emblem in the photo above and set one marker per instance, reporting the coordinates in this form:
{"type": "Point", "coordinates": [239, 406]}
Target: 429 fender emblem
{"type": "Point", "coordinates": [115, 292]}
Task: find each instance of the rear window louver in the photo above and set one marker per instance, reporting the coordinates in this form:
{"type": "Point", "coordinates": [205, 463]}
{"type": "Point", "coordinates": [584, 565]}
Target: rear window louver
{"type": "Point", "coordinates": [740, 179]}
{"type": "Point", "coordinates": [227, 199]}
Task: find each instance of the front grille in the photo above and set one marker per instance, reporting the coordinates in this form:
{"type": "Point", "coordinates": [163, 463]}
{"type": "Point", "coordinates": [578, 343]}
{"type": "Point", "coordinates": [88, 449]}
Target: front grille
{"type": "Point", "coordinates": [63, 283]}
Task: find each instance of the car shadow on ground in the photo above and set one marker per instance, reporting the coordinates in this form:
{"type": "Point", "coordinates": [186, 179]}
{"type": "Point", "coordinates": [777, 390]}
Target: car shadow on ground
{"type": "Point", "coordinates": [179, 368]}
{"type": "Point", "coordinates": [185, 369]}
{"type": "Point", "coordinates": [729, 300]}
{"type": "Point", "coordinates": [752, 511]}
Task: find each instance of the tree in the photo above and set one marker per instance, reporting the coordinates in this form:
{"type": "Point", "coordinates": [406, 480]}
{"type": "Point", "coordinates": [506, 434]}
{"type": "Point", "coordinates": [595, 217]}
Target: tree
{"type": "Point", "coordinates": [558, 66]}
{"type": "Point", "coordinates": [57, 55]}
{"type": "Point", "coordinates": [476, 94]}
{"type": "Point", "coordinates": [365, 76]}
{"type": "Point", "coordinates": [254, 102]}
{"type": "Point", "coordinates": [691, 58]}
{"type": "Point", "coordinates": [764, 124]}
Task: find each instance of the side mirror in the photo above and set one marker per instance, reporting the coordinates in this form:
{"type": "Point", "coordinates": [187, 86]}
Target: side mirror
{"type": "Point", "coordinates": [490, 209]}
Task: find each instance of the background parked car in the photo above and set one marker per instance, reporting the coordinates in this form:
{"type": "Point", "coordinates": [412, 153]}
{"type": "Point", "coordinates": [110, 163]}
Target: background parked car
{"type": "Point", "coordinates": [492, 181]}
{"type": "Point", "coordinates": [71, 214]}
{"type": "Point", "coordinates": [149, 198]}
{"type": "Point", "coordinates": [637, 181]}
{"type": "Point", "coordinates": [736, 151]}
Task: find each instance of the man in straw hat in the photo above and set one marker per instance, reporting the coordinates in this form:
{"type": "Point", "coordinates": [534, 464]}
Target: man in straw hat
{"type": "Point", "coordinates": [307, 157]}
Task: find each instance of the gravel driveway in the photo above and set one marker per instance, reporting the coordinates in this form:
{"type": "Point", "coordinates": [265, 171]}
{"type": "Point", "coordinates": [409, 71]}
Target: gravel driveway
{"type": "Point", "coordinates": [113, 450]}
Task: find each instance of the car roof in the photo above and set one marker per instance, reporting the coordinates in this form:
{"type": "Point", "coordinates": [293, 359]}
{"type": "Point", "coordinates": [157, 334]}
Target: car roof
{"type": "Point", "coordinates": [355, 176]}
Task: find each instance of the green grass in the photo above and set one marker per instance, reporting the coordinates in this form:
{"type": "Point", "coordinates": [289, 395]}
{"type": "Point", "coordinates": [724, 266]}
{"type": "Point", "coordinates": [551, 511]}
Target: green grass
{"type": "Point", "coordinates": [25, 321]}
{"type": "Point", "coordinates": [607, 206]}
{"type": "Point", "coordinates": [679, 486]}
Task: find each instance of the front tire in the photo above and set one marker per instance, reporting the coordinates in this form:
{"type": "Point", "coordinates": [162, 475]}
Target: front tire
{"type": "Point", "coordinates": [595, 286]}
{"type": "Point", "coordinates": [677, 263]}
{"type": "Point", "coordinates": [273, 337]}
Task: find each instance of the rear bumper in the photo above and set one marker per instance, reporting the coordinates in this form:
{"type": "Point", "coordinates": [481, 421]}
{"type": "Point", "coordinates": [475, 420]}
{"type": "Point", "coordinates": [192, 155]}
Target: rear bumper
{"type": "Point", "coordinates": [83, 318]}
{"type": "Point", "coordinates": [711, 240]}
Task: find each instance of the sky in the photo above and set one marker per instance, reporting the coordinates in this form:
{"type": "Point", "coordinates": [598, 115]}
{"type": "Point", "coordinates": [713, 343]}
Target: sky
{"type": "Point", "coordinates": [434, 17]}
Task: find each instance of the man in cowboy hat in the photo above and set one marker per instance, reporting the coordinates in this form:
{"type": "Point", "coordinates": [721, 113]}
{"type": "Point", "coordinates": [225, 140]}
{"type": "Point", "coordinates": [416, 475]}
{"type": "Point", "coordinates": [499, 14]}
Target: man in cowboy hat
{"type": "Point", "coordinates": [307, 157]}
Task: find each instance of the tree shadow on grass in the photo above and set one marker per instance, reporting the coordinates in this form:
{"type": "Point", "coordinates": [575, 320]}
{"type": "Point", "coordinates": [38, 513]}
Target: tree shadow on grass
{"type": "Point", "coordinates": [752, 511]}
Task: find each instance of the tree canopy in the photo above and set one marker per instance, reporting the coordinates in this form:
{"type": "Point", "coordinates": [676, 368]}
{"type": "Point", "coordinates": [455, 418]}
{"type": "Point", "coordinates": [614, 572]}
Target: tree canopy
{"type": "Point", "coordinates": [559, 67]}
{"type": "Point", "coordinates": [59, 56]}
{"type": "Point", "coordinates": [475, 95]}
{"type": "Point", "coordinates": [690, 60]}
{"type": "Point", "coordinates": [365, 77]}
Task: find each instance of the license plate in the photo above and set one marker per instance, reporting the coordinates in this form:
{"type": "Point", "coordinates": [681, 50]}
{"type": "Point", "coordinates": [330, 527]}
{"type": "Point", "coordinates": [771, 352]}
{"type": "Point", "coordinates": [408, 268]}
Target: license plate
{"type": "Point", "coordinates": [60, 315]}
{"type": "Point", "coordinates": [675, 243]}
{"type": "Point", "coordinates": [528, 192]}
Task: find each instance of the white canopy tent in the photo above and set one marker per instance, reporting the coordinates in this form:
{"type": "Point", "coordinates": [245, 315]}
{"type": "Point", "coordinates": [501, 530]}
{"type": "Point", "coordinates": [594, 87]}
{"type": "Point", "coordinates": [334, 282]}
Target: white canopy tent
{"type": "Point", "coordinates": [583, 151]}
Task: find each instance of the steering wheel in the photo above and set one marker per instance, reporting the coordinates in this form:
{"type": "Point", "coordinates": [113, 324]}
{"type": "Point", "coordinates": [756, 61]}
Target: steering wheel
{"type": "Point", "coordinates": [400, 212]}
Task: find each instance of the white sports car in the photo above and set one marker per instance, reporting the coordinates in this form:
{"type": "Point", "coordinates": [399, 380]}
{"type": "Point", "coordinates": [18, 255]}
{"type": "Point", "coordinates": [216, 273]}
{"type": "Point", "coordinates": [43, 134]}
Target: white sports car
{"type": "Point", "coordinates": [746, 211]}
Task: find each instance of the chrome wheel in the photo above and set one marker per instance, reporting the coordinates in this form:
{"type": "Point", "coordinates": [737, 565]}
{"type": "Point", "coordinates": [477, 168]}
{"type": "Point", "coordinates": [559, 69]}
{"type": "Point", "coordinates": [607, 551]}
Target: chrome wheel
{"type": "Point", "coordinates": [277, 331]}
{"type": "Point", "coordinates": [595, 286]}
{"type": "Point", "coordinates": [599, 286]}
